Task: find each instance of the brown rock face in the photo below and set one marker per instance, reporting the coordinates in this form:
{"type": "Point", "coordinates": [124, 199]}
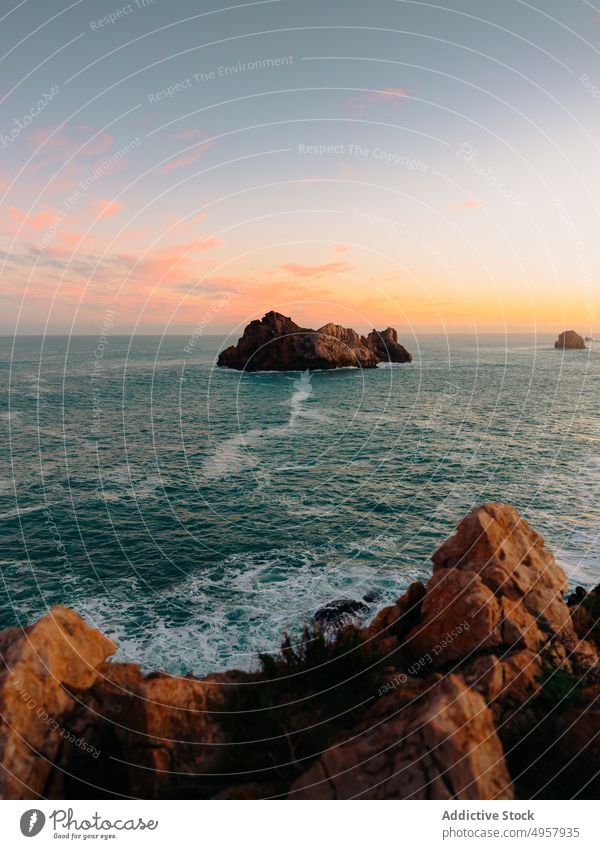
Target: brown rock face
{"type": "Point", "coordinates": [157, 736]}
{"type": "Point", "coordinates": [276, 343]}
{"type": "Point", "coordinates": [44, 667]}
{"type": "Point", "coordinates": [443, 745]}
{"type": "Point", "coordinates": [570, 339]}
{"type": "Point", "coordinates": [495, 575]}
{"type": "Point", "coordinates": [385, 346]}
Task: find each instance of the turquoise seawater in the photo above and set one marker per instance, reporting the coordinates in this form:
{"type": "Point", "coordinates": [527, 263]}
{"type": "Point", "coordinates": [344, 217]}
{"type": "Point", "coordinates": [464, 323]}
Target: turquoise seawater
{"type": "Point", "coordinates": [194, 514]}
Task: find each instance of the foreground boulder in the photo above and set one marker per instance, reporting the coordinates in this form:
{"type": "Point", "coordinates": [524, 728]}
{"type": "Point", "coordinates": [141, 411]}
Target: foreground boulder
{"type": "Point", "coordinates": [570, 339]}
{"type": "Point", "coordinates": [482, 683]}
{"type": "Point", "coordinates": [495, 577]}
{"type": "Point", "coordinates": [276, 343]}
{"type": "Point", "coordinates": [495, 609]}
{"type": "Point", "coordinates": [44, 667]}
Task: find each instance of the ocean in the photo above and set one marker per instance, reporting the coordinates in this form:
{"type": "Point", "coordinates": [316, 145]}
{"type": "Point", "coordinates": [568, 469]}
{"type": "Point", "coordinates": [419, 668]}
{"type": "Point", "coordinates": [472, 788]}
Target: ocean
{"type": "Point", "coordinates": [195, 515]}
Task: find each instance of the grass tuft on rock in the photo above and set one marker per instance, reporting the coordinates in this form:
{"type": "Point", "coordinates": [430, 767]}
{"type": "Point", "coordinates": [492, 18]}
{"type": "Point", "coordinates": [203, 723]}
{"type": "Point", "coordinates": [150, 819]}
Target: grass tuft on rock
{"type": "Point", "coordinates": [559, 689]}
{"type": "Point", "coordinates": [301, 700]}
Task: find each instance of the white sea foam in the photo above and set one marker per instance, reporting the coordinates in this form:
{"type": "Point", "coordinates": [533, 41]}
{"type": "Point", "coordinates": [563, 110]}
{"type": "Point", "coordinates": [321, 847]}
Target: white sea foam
{"type": "Point", "coordinates": [7, 485]}
{"type": "Point", "coordinates": [233, 612]}
{"type": "Point", "coordinates": [235, 454]}
{"type": "Point", "coordinates": [231, 457]}
{"type": "Point", "coordinates": [302, 392]}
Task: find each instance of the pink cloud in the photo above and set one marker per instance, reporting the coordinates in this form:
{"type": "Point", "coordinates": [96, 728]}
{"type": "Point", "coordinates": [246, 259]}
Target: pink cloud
{"type": "Point", "coordinates": [113, 168]}
{"type": "Point", "coordinates": [392, 93]}
{"type": "Point", "coordinates": [56, 250]}
{"type": "Point", "coordinates": [58, 144]}
{"type": "Point", "coordinates": [106, 208]}
{"type": "Point", "coordinates": [299, 270]}
{"type": "Point", "coordinates": [35, 222]}
{"type": "Point", "coordinates": [51, 136]}
{"type": "Point", "coordinates": [79, 237]}
{"type": "Point", "coordinates": [359, 104]}
{"type": "Point", "coordinates": [187, 134]}
{"type": "Point", "coordinates": [469, 203]}
{"type": "Point", "coordinates": [341, 249]}
{"type": "Point", "coordinates": [179, 163]}
{"type": "Point", "coordinates": [183, 249]}
{"type": "Point", "coordinates": [189, 159]}
{"type": "Point", "coordinates": [97, 146]}
{"type": "Point", "coordinates": [168, 264]}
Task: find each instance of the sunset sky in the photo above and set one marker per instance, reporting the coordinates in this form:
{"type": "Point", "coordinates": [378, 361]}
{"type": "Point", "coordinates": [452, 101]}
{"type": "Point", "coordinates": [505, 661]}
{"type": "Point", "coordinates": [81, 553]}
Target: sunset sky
{"type": "Point", "coordinates": [428, 166]}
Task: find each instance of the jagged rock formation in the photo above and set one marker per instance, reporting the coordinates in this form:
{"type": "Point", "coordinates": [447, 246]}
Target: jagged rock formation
{"type": "Point", "coordinates": [276, 343]}
{"type": "Point", "coordinates": [482, 683]}
{"type": "Point", "coordinates": [570, 339]}
{"type": "Point", "coordinates": [385, 346]}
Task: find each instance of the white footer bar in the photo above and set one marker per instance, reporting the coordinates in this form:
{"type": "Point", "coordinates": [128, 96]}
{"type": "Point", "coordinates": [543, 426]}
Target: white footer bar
{"type": "Point", "coordinates": [291, 824]}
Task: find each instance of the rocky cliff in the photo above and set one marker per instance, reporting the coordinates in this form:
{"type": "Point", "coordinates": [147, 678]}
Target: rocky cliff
{"type": "Point", "coordinates": [482, 683]}
{"type": "Point", "coordinates": [276, 343]}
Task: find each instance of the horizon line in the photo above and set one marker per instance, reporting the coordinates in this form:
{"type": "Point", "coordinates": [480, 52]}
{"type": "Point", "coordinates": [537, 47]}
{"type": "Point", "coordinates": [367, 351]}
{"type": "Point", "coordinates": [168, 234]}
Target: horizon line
{"type": "Point", "coordinates": [430, 332]}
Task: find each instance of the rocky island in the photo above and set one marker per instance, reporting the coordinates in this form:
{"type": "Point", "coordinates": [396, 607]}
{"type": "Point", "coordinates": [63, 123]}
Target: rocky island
{"type": "Point", "coordinates": [276, 343]}
{"type": "Point", "coordinates": [481, 683]}
{"type": "Point", "coordinates": [570, 339]}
